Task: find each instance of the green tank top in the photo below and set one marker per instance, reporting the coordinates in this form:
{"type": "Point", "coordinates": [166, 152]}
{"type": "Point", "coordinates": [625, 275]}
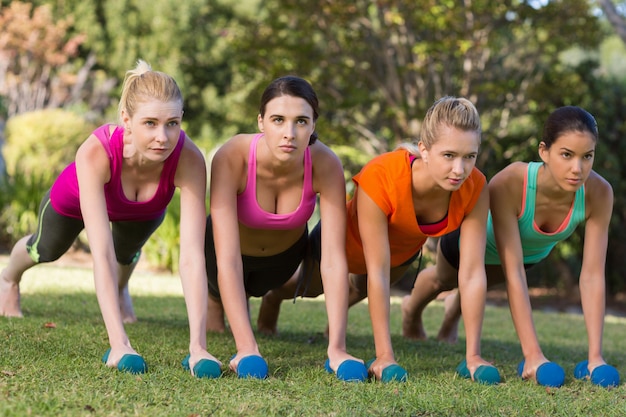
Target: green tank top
{"type": "Point", "coordinates": [536, 244]}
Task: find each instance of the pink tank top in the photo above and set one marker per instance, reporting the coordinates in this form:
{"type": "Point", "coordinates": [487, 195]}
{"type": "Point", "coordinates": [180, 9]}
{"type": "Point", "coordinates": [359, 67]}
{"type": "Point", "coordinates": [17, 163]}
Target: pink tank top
{"type": "Point", "coordinates": [253, 216]}
{"type": "Point", "coordinates": [64, 195]}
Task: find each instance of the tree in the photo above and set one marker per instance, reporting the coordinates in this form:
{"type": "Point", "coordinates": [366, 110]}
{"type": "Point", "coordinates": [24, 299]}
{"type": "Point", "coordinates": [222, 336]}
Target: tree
{"type": "Point", "coordinates": [35, 50]}
{"type": "Point", "coordinates": [379, 65]}
{"type": "Point", "coordinates": [190, 40]}
{"type": "Point", "coordinates": [615, 18]}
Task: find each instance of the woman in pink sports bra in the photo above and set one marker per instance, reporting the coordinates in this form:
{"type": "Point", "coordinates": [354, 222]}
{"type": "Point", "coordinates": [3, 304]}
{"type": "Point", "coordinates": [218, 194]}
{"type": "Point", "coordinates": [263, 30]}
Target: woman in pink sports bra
{"type": "Point", "coordinates": [400, 199]}
{"type": "Point", "coordinates": [117, 189]}
{"type": "Point", "coordinates": [263, 191]}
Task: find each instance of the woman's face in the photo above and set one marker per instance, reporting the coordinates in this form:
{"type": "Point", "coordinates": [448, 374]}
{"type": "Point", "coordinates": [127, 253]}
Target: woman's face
{"type": "Point", "coordinates": [570, 159]}
{"type": "Point", "coordinates": [288, 124]}
{"type": "Point", "coordinates": [154, 128]}
{"type": "Point", "coordinates": [452, 157]}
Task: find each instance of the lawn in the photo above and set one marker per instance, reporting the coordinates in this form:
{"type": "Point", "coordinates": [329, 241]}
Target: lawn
{"type": "Point", "coordinates": [50, 361]}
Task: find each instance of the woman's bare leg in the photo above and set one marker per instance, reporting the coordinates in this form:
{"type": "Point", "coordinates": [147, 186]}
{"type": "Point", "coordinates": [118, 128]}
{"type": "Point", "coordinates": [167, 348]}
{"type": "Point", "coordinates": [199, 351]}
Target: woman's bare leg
{"type": "Point", "coordinates": [450, 325]}
{"type": "Point", "coordinates": [267, 322]}
{"type": "Point", "coordinates": [126, 303]}
{"type": "Point", "coordinates": [10, 278]}
{"type": "Point", "coordinates": [215, 316]}
{"type": "Point", "coordinates": [429, 284]}
{"type": "Point", "coordinates": [449, 330]}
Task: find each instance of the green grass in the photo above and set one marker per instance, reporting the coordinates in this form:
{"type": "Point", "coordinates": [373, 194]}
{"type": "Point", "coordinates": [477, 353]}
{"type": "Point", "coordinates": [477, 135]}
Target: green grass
{"type": "Point", "coordinates": [50, 362]}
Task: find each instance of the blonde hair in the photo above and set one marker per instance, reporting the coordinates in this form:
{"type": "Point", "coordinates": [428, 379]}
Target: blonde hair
{"type": "Point", "coordinates": [449, 111]}
{"type": "Point", "coordinates": [142, 84]}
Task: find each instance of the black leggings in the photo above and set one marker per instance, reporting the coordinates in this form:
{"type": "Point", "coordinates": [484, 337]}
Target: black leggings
{"type": "Point", "coordinates": [56, 233]}
{"type": "Point", "coordinates": [260, 273]}
{"type": "Point", "coordinates": [449, 246]}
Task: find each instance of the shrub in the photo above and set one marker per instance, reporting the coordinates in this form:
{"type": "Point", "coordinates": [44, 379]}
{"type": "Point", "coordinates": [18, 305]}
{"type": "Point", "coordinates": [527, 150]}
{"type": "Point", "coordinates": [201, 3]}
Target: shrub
{"type": "Point", "coordinates": [43, 142]}
{"type": "Point", "coordinates": [163, 248]}
{"type": "Point", "coordinates": [38, 145]}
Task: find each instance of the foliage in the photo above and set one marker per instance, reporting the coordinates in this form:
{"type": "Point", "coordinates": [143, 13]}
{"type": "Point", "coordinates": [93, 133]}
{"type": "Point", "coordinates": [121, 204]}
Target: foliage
{"type": "Point", "coordinates": [20, 196]}
{"type": "Point", "coordinates": [36, 50]}
{"type": "Point", "coordinates": [162, 250]}
{"type": "Point", "coordinates": [190, 40]}
{"type": "Point", "coordinates": [43, 142]}
{"type": "Point", "coordinates": [38, 146]}
{"type": "Point", "coordinates": [377, 67]}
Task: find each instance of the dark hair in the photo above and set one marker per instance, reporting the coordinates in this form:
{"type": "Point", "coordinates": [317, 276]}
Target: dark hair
{"type": "Point", "coordinates": [291, 86]}
{"type": "Point", "coordinates": [568, 119]}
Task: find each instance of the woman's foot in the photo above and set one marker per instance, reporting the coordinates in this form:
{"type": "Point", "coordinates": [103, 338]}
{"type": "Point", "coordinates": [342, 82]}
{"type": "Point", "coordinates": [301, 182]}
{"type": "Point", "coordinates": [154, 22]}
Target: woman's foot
{"type": "Point", "coordinates": [9, 298]}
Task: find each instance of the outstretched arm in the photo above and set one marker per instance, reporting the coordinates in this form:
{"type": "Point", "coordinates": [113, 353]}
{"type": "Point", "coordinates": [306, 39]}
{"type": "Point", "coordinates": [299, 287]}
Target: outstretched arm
{"type": "Point", "coordinates": [373, 228]}
{"type": "Point", "coordinates": [599, 201]}
{"type": "Point", "coordinates": [93, 171]}
{"type": "Point", "coordinates": [225, 172]}
{"type": "Point", "coordinates": [473, 279]}
{"type": "Point", "coordinates": [329, 182]}
{"type": "Point", "coordinates": [191, 179]}
{"type": "Point", "coordinates": [505, 191]}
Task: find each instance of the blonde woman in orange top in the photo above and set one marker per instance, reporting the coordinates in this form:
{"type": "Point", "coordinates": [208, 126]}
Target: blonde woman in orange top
{"type": "Point", "coordinates": [408, 195]}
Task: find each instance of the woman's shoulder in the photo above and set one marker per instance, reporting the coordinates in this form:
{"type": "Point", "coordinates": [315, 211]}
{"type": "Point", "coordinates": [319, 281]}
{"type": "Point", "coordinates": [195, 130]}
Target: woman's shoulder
{"type": "Point", "coordinates": [510, 175]}
{"type": "Point", "coordinates": [238, 144]}
{"type": "Point", "coordinates": [597, 188]}
{"type": "Point", "coordinates": [393, 161]}
{"type": "Point", "coordinates": [321, 151]}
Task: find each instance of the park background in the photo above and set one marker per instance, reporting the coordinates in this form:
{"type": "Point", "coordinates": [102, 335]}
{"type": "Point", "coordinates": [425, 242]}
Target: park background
{"type": "Point", "coordinates": [377, 66]}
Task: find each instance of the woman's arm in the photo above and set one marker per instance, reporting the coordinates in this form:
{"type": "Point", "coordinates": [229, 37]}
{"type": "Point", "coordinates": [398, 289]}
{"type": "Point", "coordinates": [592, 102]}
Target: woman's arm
{"type": "Point", "coordinates": [599, 201]}
{"type": "Point", "coordinates": [93, 171]}
{"type": "Point", "coordinates": [505, 191]}
{"type": "Point", "coordinates": [330, 184]}
{"type": "Point", "coordinates": [226, 171]}
{"type": "Point", "coordinates": [373, 229]}
{"type": "Point", "coordinates": [191, 179]}
{"type": "Point", "coordinates": [472, 277]}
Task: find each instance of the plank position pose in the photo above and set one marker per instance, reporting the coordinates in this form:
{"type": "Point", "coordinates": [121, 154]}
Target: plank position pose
{"type": "Point", "coordinates": [264, 188]}
{"type": "Point", "coordinates": [118, 188]}
{"type": "Point", "coordinates": [401, 198]}
{"type": "Point", "coordinates": [533, 207]}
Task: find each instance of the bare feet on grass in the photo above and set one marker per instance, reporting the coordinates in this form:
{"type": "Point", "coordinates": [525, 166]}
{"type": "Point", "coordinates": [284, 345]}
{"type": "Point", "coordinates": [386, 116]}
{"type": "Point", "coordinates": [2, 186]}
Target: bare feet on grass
{"type": "Point", "coordinates": [9, 298]}
{"type": "Point", "coordinates": [412, 326]}
{"type": "Point", "coordinates": [126, 306]}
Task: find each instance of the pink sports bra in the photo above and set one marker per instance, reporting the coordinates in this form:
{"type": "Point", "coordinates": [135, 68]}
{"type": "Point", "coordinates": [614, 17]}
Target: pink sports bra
{"type": "Point", "coordinates": [64, 194]}
{"type": "Point", "coordinates": [253, 216]}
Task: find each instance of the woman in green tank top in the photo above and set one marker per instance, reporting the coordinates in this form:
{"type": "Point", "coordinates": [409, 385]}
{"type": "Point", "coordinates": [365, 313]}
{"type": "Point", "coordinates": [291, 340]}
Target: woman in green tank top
{"type": "Point", "coordinates": [533, 207]}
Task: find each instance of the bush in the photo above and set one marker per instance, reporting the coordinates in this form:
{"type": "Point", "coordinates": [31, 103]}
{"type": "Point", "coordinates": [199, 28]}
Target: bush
{"type": "Point", "coordinates": [38, 145]}
{"type": "Point", "coordinates": [43, 142]}
{"type": "Point", "coordinates": [162, 250]}
{"type": "Point", "coordinates": [20, 196]}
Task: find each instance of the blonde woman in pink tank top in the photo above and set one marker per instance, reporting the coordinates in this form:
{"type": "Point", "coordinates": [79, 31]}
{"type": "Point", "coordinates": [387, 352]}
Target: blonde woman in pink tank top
{"type": "Point", "coordinates": [117, 189]}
